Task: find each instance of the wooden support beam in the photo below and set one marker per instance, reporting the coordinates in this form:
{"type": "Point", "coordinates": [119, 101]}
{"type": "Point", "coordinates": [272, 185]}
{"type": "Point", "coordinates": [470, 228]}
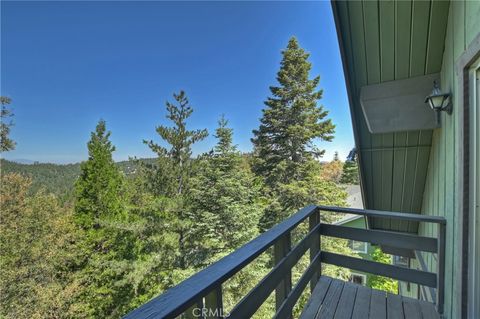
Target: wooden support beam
{"type": "Point", "coordinates": [441, 268]}
{"type": "Point", "coordinates": [314, 220]}
{"type": "Point", "coordinates": [380, 237]}
{"type": "Point", "coordinates": [404, 274]}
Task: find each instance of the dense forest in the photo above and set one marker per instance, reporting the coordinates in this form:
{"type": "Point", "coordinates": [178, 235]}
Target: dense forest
{"type": "Point", "coordinates": [98, 239]}
{"type": "Point", "coordinates": [58, 179]}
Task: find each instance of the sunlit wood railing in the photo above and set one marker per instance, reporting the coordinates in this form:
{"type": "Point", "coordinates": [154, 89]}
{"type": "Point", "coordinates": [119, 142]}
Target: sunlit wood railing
{"type": "Point", "coordinates": [200, 296]}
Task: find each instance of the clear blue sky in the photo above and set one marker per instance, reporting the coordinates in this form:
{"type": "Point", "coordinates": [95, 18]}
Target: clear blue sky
{"type": "Point", "coordinates": [68, 64]}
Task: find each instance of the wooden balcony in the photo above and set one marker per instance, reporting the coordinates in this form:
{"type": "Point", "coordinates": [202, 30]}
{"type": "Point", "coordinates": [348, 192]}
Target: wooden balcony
{"type": "Point", "coordinates": [333, 298]}
{"type": "Point", "coordinates": [330, 298]}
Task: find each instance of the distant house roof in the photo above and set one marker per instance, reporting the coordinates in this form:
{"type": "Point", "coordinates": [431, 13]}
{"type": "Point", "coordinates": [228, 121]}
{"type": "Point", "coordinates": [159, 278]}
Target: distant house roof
{"type": "Point", "coordinates": [354, 196]}
{"type": "Point", "coordinates": [348, 218]}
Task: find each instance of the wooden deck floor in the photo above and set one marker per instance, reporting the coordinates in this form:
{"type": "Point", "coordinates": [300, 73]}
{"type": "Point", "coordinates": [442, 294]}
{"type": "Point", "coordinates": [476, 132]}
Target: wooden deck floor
{"type": "Point", "coordinates": [336, 299]}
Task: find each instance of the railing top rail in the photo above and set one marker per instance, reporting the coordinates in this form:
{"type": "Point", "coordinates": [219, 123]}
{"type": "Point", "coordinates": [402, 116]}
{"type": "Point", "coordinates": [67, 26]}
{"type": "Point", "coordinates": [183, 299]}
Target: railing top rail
{"type": "Point", "coordinates": [177, 299]}
{"type": "Point", "coordinates": [386, 214]}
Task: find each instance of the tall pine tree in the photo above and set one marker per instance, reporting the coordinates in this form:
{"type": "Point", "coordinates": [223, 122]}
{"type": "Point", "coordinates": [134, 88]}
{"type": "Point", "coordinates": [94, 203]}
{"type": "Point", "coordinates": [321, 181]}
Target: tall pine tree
{"type": "Point", "coordinates": [292, 121]}
{"type": "Point", "coordinates": [100, 214]}
{"type": "Point", "coordinates": [172, 174]}
{"type": "Point", "coordinates": [284, 144]}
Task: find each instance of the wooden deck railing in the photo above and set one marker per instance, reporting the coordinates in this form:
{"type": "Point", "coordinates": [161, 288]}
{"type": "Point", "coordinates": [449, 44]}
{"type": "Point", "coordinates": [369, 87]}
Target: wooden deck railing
{"type": "Point", "coordinates": [203, 291]}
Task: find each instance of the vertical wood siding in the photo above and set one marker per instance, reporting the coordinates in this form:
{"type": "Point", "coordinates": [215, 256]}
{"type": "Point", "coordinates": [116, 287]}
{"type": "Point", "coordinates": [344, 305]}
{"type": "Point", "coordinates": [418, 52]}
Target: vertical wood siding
{"type": "Point", "coordinates": [440, 195]}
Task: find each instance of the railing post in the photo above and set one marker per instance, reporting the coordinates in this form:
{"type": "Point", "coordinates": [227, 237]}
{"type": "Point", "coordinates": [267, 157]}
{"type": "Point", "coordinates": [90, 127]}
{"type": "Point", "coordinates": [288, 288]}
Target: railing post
{"type": "Point", "coordinates": [281, 249]}
{"type": "Point", "coordinates": [441, 267]}
{"type": "Point", "coordinates": [314, 220]}
{"type": "Point", "coordinates": [194, 312]}
{"type": "Point", "coordinates": [214, 304]}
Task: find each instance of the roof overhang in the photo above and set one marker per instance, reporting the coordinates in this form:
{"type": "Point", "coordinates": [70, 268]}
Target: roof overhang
{"type": "Point", "coordinates": [384, 41]}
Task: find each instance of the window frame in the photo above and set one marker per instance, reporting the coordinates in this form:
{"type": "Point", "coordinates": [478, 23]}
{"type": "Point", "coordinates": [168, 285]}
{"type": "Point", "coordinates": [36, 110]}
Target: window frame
{"type": "Point", "coordinates": [365, 247]}
{"type": "Point", "coordinates": [363, 276]}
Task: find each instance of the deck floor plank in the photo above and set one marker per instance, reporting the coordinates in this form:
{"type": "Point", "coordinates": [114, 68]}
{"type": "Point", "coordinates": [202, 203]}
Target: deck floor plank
{"type": "Point", "coordinates": [411, 308]}
{"type": "Point", "coordinates": [428, 311]}
{"type": "Point", "coordinates": [361, 309]}
{"type": "Point", "coordinates": [394, 307]}
{"type": "Point", "coordinates": [336, 299]}
{"type": "Point", "coordinates": [346, 302]}
{"type": "Point", "coordinates": [313, 305]}
{"type": "Point", "coordinates": [378, 305]}
{"type": "Point", "coordinates": [329, 305]}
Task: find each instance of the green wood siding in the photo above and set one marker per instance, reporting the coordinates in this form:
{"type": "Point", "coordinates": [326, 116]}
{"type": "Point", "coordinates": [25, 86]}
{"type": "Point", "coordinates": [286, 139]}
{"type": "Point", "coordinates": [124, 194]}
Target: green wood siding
{"type": "Point", "coordinates": [440, 195]}
{"type": "Point", "coordinates": [384, 41]}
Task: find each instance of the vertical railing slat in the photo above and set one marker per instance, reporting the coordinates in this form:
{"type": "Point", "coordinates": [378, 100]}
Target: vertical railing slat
{"type": "Point", "coordinates": [314, 220]}
{"type": "Point", "coordinates": [194, 311]}
{"type": "Point", "coordinates": [214, 304]}
{"type": "Point", "coordinates": [441, 267]}
{"type": "Point", "coordinates": [281, 248]}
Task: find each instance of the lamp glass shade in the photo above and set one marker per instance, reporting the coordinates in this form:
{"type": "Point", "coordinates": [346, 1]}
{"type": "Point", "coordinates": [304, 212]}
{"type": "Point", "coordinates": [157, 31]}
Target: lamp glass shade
{"type": "Point", "coordinates": [436, 101]}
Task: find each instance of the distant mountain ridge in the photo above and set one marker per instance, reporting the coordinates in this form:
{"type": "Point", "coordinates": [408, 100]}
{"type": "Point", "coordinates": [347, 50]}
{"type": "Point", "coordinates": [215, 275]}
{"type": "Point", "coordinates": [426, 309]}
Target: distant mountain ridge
{"type": "Point", "coordinates": [22, 161]}
{"type": "Point", "coordinates": [58, 179]}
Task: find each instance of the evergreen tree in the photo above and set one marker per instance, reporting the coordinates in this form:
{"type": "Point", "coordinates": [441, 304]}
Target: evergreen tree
{"type": "Point", "coordinates": [225, 201]}
{"type": "Point", "coordinates": [99, 186]}
{"type": "Point", "coordinates": [100, 213]}
{"type": "Point", "coordinates": [171, 176]}
{"type": "Point", "coordinates": [349, 173]}
{"type": "Point", "coordinates": [6, 143]}
{"type": "Point", "coordinates": [176, 160]}
{"type": "Point", "coordinates": [291, 121]}
{"type": "Point", "coordinates": [284, 150]}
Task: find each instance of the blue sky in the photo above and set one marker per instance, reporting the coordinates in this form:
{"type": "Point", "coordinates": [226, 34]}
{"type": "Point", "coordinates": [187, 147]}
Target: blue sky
{"type": "Point", "coordinates": [68, 64]}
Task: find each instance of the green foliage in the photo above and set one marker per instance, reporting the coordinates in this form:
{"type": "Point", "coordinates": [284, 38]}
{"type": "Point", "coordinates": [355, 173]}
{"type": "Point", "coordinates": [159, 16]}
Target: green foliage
{"type": "Point", "coordinates": [37, 250]}
{"type": "Point", "coordinates": [379, 282]}
{"type": "Point", "coordinates": [6, 143]}
{"type": "Point", "coordinates": [100, 183]}
{"type": "Point", "coordinates": [349, 173]}
{"type": "Point", "coordinates": [54, 178]}
{"type": "Point", "coordinates": [332, 171]}
{"type": "Point", "coordinates": [171, 176]}
{"type": "Point", "coordinates": [284, 150]}
{"type": "Point", "coordinates": [177, 159]}
{"type": "Point", "coordinates": [106, 246]}
{"type": "Point", "coordinates": [59, 179]}
{"type": "Point", "coordinates": [225, 202]}
{"type": "Point", "coordinates": [291, 121]}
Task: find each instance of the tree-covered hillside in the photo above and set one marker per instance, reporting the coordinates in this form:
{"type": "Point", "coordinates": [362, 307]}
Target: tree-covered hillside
{"type": "Point", "coordinates": [58, 179]}
{"type": "Point", "coordinates": [54, 178]}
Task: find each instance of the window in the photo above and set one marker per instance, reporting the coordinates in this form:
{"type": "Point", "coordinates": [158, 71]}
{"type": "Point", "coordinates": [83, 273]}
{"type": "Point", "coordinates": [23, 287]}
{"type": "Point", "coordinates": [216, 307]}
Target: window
{"type": "Point", "coordinates": [401, 261]}
{"type": "Point", "coordinates": [358, 246]}
{"type": "Point", "coordinates": [359, 279]}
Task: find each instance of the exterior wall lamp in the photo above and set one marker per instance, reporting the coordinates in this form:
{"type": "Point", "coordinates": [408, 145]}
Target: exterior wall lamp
{"type": "Point", "coordinates": [439, 101]}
